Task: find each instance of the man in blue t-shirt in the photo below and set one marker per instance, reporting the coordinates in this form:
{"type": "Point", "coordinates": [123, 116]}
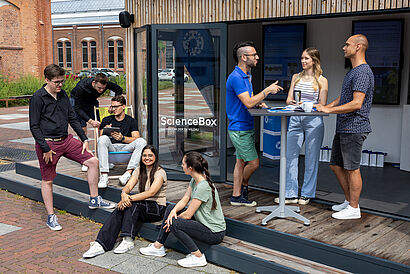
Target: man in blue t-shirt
{"type": "Point", "coordinates": [352, 126]}
{"type": "Point", "coordinates": [240, 97]}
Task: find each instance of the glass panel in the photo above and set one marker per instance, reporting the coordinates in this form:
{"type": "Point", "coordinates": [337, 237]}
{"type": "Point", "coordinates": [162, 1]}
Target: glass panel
{"type": "Point", "coordinates": [120, 52]}
{"type": "Point", "coordinates": [141, 74]}
{"type": "Point", "coordinates": [93, 46]}
{"type": "Point", "coordinates": [111, 54]}
{"type": "Point", "coordinates": [188, 96]}
{"type": "Point", "coordinates": [60, 54]}
{"type": "Point", "coordinates": [85, 54]}
{"type": "Point", "coordinates": [68, 54]}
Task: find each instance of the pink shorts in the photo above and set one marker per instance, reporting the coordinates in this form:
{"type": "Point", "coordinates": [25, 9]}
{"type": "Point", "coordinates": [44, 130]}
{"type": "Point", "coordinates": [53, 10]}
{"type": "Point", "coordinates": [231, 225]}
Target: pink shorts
{"type": "Point", "coordinates": [69, 147]}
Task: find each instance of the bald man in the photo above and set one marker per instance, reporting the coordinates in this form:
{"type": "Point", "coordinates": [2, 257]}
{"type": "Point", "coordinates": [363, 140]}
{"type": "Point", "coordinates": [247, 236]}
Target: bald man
{"type": "Point", "coordinates": [352, 126]}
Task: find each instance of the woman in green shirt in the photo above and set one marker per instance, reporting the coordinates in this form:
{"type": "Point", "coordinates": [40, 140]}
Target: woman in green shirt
{"type": "Point", "coordinates": [203, 220]}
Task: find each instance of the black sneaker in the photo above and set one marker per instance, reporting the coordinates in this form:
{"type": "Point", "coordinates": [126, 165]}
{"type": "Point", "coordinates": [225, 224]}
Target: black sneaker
{"type": "Point", "coordinates": [240, 201]}
{"type": "Point", "coordinates": [244, 192]}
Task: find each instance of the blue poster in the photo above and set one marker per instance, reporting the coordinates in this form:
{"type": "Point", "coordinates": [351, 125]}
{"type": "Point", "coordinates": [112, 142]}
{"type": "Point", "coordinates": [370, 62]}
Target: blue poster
{"type": "Point", "coordinates": [282, 48]}
{"type": "Point", "coordinates": [383, 56]}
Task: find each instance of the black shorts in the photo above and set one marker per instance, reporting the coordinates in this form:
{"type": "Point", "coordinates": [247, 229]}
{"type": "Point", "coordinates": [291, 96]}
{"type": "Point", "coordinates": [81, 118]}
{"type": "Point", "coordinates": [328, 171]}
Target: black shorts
{"type": "Point", "coordinates": [347, 150]}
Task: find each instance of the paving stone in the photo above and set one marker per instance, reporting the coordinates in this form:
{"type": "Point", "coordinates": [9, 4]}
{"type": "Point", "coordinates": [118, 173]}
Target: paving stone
{"type": "Point", "coordinates": [107, 260]}
{"type": "Point", "coordinates": [5, 228]}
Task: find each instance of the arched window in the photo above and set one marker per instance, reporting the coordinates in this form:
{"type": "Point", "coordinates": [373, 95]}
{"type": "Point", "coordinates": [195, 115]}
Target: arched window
{"type": "Point", "coordinates": [93, 46]}
{"type": "Point", "coordinates": [120, 54]}
{"type": "Point", "coordinates": [60, 54]}
{"type": "Point", "coordinates": [111, 62]}
{"type": "Point", "coordinates": [84, 46]}
{"type": "Point", "coordinates": [68, 63]}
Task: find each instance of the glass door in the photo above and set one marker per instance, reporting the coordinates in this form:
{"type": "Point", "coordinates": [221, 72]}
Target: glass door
{"type": "Point", "coordinates": [188, 91]}
{"type": "Point", "coordinates": [143, 107]}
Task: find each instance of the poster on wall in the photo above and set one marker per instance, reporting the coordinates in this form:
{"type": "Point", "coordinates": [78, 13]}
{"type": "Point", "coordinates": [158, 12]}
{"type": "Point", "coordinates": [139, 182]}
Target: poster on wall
{"type": "Point", "coordinates": [384, 57]}
{"type": "Point", "coordinates": [282, 48]}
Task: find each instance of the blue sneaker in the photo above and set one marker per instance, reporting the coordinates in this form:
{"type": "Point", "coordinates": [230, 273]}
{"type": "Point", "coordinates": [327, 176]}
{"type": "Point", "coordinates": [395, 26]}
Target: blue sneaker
{"type": "Point", "coordinates": [52, 222]}
{"type": "Point", "coordinates": [244, 192]}
{"type": "Point", "coordinates": [98, 202]}
{"type": "Point", "coordinates": [241, 201]}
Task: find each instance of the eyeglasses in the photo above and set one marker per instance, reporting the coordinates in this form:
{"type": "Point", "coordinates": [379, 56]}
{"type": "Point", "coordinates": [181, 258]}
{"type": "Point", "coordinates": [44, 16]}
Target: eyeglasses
{"type": "Point", "coordinates": [58, 82]}
{"type": "Point", "coordinates": [115, 107]}
{"type": "Point", "coordinates": [253, 54]}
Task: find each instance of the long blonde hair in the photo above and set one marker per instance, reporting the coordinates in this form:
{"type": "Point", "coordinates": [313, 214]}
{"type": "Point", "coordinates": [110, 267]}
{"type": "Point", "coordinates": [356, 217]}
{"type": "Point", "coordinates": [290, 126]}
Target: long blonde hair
{"type": "Point", "coordinates": [317, 70]}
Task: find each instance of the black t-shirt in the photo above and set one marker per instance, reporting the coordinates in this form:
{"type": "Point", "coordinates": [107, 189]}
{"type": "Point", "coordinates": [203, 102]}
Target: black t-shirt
{"type": "Point", "coordinates": [127, 125]}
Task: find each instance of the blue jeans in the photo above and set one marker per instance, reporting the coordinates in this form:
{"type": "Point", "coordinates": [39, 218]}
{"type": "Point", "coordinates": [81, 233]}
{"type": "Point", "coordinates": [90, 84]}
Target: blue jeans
{"type": "Point", "coordinates": [308, 129]}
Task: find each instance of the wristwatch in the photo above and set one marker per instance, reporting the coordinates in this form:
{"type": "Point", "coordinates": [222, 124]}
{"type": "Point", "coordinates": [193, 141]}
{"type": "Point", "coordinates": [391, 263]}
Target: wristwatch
{"type": "Point", "coordinates": [123, 138]}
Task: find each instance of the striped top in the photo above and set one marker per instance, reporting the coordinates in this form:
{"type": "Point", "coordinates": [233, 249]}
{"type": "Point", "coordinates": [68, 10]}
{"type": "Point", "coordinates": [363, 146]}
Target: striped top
{"type": "Point", "coordinates": [307, 91]}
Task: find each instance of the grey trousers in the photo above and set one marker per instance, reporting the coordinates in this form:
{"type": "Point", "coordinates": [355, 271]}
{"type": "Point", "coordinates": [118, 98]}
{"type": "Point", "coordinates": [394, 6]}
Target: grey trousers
{"type": "Point", "coordinates": [105, 145]}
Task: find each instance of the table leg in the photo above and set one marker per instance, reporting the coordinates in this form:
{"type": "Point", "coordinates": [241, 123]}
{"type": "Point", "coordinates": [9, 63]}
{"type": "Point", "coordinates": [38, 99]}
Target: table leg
{"type": "Point", "coordinates": [282, 211]}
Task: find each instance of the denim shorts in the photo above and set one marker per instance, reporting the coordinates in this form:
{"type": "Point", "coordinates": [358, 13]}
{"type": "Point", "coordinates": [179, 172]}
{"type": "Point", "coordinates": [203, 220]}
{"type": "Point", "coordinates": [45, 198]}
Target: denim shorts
{"type": "Point", "coordinates": [244, 143]}
{"type": "Point", "coordinates": [347, 150]}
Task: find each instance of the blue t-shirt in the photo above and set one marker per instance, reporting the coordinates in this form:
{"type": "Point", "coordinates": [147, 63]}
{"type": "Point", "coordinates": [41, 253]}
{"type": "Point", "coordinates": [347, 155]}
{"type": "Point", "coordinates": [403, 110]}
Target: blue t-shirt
{"type": "Point", "coordinates": [361, 79]}
{"type": "Point", "coordinates": [238, 114]}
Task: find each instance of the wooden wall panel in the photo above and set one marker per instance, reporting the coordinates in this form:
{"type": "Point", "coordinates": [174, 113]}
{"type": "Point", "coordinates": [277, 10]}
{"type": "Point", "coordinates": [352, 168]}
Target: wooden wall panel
{"type": "Point", "coordinates": [200, 11]}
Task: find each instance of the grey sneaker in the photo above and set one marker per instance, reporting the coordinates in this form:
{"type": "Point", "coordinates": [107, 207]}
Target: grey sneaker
{"type": "Point", "coordinates": [95, 249]}
{"type": "Point", "coordinates": [124, 246]}
{"type": "Point", "coordinates": [293, 200]}
{"type": "Point", "coordinates": [191, 261]}
{"type": "Point", "coordinates": [52, 222]}
{"type": "Point", "coordinates": [124, 178]}
{"type": "Point", "coordinates": [151, 250]}
{"type": "Point", "coordinates": [103, 182]}
{"type": "Point", "coordinates": [98, 202]}
{"type": "Point", "coordinates": [341, 206]}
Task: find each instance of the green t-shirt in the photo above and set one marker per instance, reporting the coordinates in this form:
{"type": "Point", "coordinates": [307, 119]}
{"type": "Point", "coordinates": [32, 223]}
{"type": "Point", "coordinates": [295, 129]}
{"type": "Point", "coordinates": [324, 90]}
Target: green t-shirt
{"type": "Point", "coordinates": [213, 219]}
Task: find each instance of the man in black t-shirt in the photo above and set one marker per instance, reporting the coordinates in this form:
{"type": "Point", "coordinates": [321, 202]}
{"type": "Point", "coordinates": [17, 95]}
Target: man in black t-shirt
{"type": "Point", "coordinates": [126, 139]}
{"type": "Point", "coordinates": [85, 95]}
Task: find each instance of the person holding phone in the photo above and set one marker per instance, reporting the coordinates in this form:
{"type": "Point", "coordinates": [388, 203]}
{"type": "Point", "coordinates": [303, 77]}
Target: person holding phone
{"type": "Point", "coordinates": [309, 85]}
{"type": "Point", "coordinates": [127, 138]}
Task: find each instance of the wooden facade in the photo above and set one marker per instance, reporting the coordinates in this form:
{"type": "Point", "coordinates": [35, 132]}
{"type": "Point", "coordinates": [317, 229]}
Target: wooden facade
{"type": "Point", "coordinates": [201, 11]}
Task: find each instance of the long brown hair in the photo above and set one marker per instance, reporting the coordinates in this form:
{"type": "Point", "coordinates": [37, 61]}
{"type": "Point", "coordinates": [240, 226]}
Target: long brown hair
{"type": "Point", "coordinates": [317, 69]}
{"type": "Point", "coordinates": [199, 164]}
{"type": "Point", "coordinates": [142, 177]}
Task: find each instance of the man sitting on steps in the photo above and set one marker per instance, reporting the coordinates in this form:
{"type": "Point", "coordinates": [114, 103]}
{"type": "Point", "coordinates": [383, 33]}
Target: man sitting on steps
{"type": "Point", "coordinates": [126, 139]}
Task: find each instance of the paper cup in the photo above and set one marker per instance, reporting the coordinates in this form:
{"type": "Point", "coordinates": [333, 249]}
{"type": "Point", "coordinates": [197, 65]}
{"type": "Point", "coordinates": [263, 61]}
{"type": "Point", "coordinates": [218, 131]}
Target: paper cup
{"type": "Point", "coordinates": [307, 106]}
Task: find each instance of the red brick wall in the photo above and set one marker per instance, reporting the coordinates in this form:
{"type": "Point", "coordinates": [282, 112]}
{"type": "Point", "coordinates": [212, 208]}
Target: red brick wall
{"type": "Point", "coordinates": [25, 37]}
{"type": "Point", "coordinates": [77, 34]}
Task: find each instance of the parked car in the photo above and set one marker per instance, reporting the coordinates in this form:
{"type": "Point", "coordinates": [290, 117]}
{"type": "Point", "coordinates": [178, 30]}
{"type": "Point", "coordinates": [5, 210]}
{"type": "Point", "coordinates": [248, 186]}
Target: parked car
{"type": "Point", "coordinates": [169, 75]}
{"type": "Point", "coordinates": [69, 74]}
{"type": "Point", "coordinates": [106, 71]}
{"type": "Point", "coordinates": [84, 74]}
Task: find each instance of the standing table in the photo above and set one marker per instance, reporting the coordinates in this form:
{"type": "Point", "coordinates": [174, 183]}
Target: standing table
{"type": "Point", "coordinates": [282, 211]}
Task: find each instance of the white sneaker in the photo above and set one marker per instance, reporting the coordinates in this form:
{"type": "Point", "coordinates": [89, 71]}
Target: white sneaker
{"type": "Point", "coordinates": [95, 250]}
{"type": "Point", "coordinates": [125, 245]}
{"type": "Point", "coordinates": [103, 183]}
{"type": "Point", "coordinates": [151, 250]}
{"type": "Point", "coordinates": [124, 178]}
{"type": "Point", "coordinates": [340, 206]}
{"type": "Point", "coordinates": [287, 200]}
{"type": "Point", "coordinates": [191, 261]}
{"type": "Point", "coordinates": [111, 165]}
{"type": "Point", "coordinates": [347, 213]}
{"type": "Point", "coordinates": [84, 168]}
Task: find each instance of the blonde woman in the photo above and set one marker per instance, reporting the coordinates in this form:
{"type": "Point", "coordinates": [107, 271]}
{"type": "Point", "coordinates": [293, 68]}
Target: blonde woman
{"type": "Point", "coordinates": [309, 129]}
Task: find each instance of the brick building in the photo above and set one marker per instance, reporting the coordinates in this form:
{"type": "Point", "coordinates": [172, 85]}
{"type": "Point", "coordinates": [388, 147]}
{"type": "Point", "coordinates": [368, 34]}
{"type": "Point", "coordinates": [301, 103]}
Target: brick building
{"type": "Point", "coordinates": [87, 34]}
{"type": "Point", "coordinates": [25, 37]}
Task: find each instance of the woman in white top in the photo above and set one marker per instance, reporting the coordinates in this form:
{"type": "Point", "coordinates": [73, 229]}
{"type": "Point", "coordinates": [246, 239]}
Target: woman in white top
{"type": "Point", "coordinates": [309, 129]}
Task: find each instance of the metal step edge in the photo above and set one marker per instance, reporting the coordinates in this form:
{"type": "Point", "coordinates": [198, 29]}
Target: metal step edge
{"type": "Point", "coordinates": [78, 205]}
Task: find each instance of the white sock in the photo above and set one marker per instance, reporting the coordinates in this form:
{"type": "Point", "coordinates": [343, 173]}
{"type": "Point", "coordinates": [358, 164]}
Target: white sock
{"type": "Point", "coordinates": [127, 239]}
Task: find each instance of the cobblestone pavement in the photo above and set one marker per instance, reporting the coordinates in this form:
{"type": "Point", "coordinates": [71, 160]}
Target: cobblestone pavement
{"type": "Point", "coordinates": [34, 248]}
